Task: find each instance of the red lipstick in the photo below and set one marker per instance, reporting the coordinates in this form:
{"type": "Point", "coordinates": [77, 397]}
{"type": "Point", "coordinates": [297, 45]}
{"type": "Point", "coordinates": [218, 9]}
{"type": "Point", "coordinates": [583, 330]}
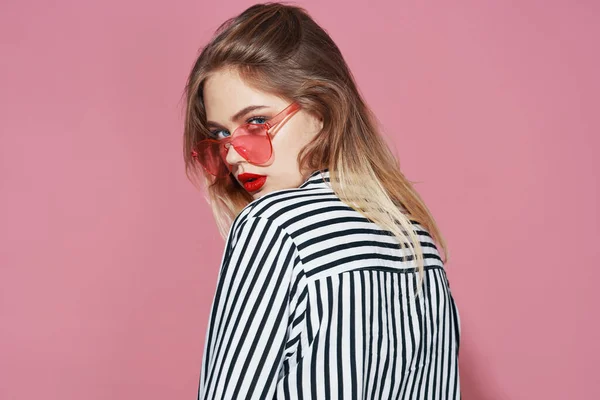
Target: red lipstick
{"type": "Point", "coordinates": [252, 182]}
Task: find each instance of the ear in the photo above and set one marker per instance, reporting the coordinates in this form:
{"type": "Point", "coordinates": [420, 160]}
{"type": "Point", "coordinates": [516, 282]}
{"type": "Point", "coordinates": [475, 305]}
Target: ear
{"type": "Point", "coordinates": [318, 121]}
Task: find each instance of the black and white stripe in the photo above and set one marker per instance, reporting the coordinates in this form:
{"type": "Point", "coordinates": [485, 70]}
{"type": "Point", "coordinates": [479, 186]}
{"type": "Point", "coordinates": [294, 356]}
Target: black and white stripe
{"type": "Point", "coordinates": [314, 301]}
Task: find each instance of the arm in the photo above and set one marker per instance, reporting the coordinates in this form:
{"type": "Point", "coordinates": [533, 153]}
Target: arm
{"type": "Point", "coordinates": [244, 347]}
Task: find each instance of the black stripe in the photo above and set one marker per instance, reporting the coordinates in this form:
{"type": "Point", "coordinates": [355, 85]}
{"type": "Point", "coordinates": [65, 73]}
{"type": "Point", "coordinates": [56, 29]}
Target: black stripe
{"type": "Point", "coordinates": [362, 257]}
{"type": "Point", "coordinates": [291, 319]}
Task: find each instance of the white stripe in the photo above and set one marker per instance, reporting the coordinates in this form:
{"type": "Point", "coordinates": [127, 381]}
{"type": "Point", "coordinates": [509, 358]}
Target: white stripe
{"type": "Point", "coordinates": [312, 303]}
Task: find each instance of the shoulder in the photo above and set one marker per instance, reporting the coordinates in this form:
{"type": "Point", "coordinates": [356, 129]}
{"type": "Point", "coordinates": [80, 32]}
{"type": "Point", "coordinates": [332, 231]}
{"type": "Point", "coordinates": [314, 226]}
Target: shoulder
{"type": "Point", "coordinates": [292, 210]}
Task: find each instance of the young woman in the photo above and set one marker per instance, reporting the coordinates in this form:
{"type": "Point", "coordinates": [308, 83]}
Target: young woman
{"type": "Point", "coordinates": [331, 285]}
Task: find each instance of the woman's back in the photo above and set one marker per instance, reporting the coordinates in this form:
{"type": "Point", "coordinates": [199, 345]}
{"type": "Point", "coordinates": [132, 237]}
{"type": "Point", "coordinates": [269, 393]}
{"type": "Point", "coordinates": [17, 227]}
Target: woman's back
{"type": "Point", "coordinates": [315, 301]}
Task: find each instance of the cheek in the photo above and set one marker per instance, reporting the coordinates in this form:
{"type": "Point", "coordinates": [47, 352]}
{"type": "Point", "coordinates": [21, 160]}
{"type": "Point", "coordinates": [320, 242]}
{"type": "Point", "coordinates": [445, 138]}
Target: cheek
{"type": "Point", "coordinates": [285, 150]}
{"type": "Point", "coordinates": [295, 137]}
{"type": "Point", "coordinates": [287, 143]}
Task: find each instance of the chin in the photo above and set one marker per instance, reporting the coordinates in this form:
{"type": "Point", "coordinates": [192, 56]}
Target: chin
{"type": "Point", "coordinates": [261, 193]}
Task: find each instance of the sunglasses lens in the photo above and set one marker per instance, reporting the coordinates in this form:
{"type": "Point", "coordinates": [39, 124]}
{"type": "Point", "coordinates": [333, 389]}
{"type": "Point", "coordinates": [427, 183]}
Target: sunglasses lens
{"type": "Point", "coordinates": [209, 157]}
{"type": "Point", "coordinates": [250, 141]}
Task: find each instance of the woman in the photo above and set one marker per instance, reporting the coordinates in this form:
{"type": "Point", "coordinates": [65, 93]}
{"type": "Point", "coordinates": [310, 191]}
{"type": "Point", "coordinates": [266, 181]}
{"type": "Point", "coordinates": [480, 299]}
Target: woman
{"type": "Point", "coordinates": [331, 285]}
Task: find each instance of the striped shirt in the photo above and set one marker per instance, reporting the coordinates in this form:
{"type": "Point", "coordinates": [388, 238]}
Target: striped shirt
{"type": "Point", "coordinates": [314, 301]}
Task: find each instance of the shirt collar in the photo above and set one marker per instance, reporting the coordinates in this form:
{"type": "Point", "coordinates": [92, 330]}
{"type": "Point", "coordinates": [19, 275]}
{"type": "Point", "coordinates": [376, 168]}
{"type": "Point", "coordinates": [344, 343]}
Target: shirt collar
{"type": "Point", "coordinates": [319, 178]}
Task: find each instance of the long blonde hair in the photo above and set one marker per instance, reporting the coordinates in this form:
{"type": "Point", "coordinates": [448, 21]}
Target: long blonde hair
{"type": "Point", "coordinates": [280, 49]}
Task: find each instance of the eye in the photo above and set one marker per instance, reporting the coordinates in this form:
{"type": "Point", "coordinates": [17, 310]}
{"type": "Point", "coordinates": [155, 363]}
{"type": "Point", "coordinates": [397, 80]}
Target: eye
{"type": "Point", "coordinates": [252, 120]}
{"type": "Point", "coordinates": [216, 132]}
{"type": "Point", "coordinates": [257, 120]}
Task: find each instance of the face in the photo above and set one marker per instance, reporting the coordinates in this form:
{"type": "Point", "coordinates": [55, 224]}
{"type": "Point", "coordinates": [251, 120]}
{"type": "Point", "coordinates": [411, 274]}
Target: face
{"type": "Point", "coordinates": [225, 95]}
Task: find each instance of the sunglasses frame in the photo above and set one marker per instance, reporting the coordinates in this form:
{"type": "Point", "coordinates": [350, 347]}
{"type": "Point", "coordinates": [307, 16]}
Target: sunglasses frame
{"type": "Point", "coordinates": [268, 125]}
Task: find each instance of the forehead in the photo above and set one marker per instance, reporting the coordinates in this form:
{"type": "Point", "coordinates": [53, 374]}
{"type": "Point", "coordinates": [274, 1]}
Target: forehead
{"type": "Point", "coordinates": [225, 93]}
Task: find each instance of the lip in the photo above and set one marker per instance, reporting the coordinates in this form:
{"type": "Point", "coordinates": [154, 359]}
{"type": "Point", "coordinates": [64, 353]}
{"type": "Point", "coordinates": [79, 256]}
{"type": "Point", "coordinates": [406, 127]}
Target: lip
{"type": "Point", "coordinates": [256, 184]}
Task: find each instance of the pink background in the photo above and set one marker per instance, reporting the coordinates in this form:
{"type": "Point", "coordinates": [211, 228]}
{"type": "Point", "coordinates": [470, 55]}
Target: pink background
{"type": "Point", "coordinates": [109, 256]}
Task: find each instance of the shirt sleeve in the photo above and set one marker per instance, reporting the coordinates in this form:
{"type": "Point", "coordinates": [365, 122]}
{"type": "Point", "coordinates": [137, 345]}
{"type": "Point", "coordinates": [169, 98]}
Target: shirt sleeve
{"type": "Point", "coordinates": [246, 336]}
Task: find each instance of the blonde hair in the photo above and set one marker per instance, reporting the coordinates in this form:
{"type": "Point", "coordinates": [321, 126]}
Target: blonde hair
{"type": "Point", "coordinates": [281, 50]}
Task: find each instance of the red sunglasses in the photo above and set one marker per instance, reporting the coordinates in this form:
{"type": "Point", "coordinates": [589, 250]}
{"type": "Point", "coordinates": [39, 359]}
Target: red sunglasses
{"type": "Point", "coordinates": [251, 141]}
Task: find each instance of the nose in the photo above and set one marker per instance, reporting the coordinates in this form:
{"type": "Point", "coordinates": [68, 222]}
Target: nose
{"type": "Point", "coordinates": [233, 157]}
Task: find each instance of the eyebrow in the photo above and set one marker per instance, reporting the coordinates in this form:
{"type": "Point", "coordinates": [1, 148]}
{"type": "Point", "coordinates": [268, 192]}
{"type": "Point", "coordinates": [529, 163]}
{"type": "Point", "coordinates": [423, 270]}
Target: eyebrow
{"type": "Point", "coordinates": [238, 115]}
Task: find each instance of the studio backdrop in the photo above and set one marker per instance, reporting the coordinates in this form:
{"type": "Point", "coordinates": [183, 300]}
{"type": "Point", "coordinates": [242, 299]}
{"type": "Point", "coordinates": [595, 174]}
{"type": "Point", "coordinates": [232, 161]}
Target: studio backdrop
{"type": "Point", "coordinates": [109, 255]}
